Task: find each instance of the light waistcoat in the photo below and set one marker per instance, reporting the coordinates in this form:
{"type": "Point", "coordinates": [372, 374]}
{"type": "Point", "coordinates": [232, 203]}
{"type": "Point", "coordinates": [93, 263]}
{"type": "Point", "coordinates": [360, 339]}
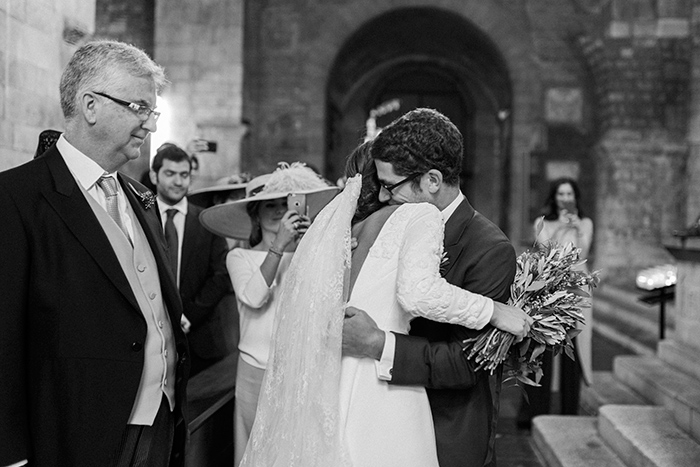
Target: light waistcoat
{"type": "Point", "coordinates": [141, 270]}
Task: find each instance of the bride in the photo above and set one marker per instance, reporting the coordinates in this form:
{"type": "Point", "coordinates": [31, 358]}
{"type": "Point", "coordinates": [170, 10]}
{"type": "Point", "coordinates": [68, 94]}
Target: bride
{"type": "Point", "coordinates": [317, 409]}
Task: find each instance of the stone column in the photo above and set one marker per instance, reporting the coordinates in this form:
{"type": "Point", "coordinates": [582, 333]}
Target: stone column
{"type": "Point", "coordinates": [681, 349]}
{"type": "Point", "coordinates": [693, 183]}
{"type": "Point", "coordinates": [200, 44]}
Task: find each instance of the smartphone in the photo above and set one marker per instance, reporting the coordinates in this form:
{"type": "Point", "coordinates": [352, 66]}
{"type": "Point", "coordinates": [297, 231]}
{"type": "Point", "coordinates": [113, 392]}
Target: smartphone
{"type": "Point", "coordinates": [570, 206]}
{"type": "Point", "coordinates": [211, 146]}
{"type": "Point", "coordinates": [297, 202]}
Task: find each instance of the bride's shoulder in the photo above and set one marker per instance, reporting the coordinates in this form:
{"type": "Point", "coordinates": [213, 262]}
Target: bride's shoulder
{"type": "Point", "coordinates": [400, 214]}
{"type": "Point", "coordinates": [381, 214]}
{"type": "Point", "coordinates": [419, 210]}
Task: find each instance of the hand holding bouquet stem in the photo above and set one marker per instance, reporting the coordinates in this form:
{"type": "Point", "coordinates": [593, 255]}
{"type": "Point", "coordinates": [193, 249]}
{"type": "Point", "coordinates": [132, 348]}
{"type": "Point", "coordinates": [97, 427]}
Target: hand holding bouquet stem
{"type": "Point", "coordinates": [511, 319]}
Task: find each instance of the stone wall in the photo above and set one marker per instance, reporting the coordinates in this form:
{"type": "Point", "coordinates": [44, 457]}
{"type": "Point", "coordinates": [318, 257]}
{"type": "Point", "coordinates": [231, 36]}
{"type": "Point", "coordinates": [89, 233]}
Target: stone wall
{"type": "Point", "coordinates": [132, 22]}
{"type": "Point", "coordinates": [200, 45]}
{"type": "Point", "coordinates": [37, 38]}
{"type": "Point", "coordinates": [127, 21]}
{"type": "Point", "coordinates": [692, 181]}
{"type": "Point", "coordinates": [291, 50]}
{"type": "Point", "coordinates": [640, 66]}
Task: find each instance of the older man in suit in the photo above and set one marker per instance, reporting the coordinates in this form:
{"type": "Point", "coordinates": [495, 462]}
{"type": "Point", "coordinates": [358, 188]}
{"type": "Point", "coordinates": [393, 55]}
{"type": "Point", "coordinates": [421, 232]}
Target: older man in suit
{"type": "Point", "coordinates": [93, 361]}
{"type": "Point", "coordinates": [198, 259]}
{"type": "Point", "coordinates": [418, 159]}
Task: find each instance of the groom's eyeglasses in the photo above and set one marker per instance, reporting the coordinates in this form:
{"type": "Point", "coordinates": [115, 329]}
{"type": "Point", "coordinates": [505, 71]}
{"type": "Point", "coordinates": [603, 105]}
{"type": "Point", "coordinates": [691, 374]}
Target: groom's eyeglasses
{"type": "Point", "coordinates": [391, 188]}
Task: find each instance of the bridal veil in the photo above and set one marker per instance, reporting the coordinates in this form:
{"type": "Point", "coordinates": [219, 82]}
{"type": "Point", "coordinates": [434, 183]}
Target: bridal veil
{"type": "Point", "coordinates": [297, 422]}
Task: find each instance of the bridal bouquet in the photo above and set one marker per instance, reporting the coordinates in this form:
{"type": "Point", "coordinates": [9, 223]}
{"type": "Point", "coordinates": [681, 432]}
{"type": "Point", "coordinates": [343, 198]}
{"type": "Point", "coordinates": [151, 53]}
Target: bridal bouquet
{"type": "Point", "coordinates": [549, 288]}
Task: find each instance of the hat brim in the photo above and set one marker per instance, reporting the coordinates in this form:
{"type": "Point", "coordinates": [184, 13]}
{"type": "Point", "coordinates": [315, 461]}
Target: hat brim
{"type": "Point", "coordinates": [204, 197]}
{"type": "Point", "coordinates": [231, 219]}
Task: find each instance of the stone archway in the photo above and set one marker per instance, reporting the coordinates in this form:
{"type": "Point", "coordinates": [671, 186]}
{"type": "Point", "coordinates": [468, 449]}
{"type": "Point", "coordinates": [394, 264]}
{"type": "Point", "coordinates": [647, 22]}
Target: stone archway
{"type": "Point", "coordinates": [454, 68]}
{"type": "Point", "coordinates": [294, 89]}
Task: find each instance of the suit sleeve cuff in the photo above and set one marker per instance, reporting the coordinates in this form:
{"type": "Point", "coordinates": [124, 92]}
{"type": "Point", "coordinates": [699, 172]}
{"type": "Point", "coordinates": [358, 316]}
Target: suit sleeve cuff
{"type": "Point", "coordinates": [385, 364]}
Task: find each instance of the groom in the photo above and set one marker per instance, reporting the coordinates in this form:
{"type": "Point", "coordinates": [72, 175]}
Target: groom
{"type": "Point", "coordinates": [418, 159]}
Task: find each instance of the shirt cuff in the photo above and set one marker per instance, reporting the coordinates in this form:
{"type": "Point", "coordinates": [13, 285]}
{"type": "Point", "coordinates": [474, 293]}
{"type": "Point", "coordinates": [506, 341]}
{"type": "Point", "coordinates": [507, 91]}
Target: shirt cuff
{"type": "Point", "coordinates": [385, 365]}
{"type": "Point", "coordinates": [486, 315]}
{"type": "Point", "coordinates": [19, 464]}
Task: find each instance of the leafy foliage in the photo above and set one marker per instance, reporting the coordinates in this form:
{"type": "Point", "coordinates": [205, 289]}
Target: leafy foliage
{"type": "Point", "coordinates": [551, 286]}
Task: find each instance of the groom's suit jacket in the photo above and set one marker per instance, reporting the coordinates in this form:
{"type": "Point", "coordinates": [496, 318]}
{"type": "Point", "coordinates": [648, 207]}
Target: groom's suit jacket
{"type": "Point", "coordinates": [464, 402]}
{"type": "Point", "coordinates": [71, 331]}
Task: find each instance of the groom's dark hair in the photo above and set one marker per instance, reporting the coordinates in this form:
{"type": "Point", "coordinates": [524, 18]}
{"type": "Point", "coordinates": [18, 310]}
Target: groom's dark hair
{"type": "Point", "coordinates": [418, 141]}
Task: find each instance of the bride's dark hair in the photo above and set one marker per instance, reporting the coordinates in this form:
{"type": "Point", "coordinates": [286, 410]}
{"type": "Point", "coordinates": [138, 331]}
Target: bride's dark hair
{"type": "Point", "coordinates": [360, 162]}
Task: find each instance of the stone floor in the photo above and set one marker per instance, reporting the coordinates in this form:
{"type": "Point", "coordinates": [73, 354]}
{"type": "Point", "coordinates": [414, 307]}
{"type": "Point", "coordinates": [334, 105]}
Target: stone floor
{"type": "Point", "coordinates": [514, 447]}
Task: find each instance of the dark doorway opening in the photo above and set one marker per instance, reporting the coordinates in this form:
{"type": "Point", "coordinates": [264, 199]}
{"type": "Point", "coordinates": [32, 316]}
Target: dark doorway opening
{"type": "Point", "coordinates": [453, 67]}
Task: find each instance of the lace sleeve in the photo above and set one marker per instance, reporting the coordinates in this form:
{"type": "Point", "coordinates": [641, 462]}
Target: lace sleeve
{"type": "Point", "coordinates": [421, 290]}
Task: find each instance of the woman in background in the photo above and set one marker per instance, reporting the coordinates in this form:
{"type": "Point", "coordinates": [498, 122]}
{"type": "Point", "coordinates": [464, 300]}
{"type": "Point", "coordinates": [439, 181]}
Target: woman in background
{"type": "Point", "coordinates": [563, 223]}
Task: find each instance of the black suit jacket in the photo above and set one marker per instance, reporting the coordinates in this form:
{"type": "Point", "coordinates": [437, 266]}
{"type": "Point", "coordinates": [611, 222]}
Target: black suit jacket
{"type": "Point", "coordinates": [204, 282]}
{"type": "Point", "coordinates": [464, 402]}
{"type": "Point", "coordinates": [71, 333]}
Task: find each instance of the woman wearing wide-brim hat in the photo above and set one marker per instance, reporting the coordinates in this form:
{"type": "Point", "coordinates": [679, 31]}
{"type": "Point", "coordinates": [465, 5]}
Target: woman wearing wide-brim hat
{"type": "Point", "coordinates": [273, 231]}
{"type": "Point", "coordinates": [230, 188]}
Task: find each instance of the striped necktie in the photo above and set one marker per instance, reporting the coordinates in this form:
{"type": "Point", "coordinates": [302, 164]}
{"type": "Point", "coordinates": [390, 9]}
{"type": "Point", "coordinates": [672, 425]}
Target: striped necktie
{"type": "Point", "coordinates": [109, 186]}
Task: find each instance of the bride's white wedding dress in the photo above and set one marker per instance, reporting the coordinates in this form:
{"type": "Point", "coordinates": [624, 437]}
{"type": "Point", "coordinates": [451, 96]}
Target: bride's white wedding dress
{"type": "Point", "coordinates": [382, 424]}
{"type": "Point", "coordinates": [315, 411]}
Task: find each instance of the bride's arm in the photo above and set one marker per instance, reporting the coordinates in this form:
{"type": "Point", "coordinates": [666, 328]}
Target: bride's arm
{"type": "Point", "coordinates": [423, 292]}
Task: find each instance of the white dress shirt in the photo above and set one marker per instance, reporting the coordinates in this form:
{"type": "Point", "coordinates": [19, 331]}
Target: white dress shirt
{"type": "Point", "coordinates": [87, 172]}
{"type": "Point", "coordinates": [385, 364]}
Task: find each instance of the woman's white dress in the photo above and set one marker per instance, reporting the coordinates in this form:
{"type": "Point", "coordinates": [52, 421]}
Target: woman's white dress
{"type": "Point", "coordinates": [316, 410]}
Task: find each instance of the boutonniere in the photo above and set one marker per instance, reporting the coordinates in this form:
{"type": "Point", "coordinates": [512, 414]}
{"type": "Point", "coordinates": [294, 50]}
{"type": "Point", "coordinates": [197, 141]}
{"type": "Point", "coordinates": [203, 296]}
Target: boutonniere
{"type": "Point", "coordinates": [147, 198]}
{"type": "Point", "coordinates": [444, 261]}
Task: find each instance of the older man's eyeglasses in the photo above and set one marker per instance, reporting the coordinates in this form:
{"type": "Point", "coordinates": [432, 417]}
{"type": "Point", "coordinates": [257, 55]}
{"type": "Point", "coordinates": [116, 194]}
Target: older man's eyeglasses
{"type": "Point", "coordinates": [391, 188]}
{"type": "Point", "coordinates": [143, 111]}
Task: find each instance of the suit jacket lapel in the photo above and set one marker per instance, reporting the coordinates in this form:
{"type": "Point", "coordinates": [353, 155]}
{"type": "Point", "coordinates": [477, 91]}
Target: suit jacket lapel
{"type": "Point", "coordinates": [152, 228]}
{"type": "Point", "coordinates": [70, 204]}
{"type": "Point", "coordinates": [189, 240]}
{"type": "Point", "coordinates": [454, 228]}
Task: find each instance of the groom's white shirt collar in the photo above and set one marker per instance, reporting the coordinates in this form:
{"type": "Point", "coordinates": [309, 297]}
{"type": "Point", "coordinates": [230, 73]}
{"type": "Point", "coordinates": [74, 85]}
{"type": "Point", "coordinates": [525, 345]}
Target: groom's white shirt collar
{"type": "Point", "coordinates": [452, 207]}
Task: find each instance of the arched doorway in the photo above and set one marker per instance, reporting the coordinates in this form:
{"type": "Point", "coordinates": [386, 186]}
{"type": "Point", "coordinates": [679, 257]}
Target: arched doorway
{"type": "Point", "coordinates": [427, 57]}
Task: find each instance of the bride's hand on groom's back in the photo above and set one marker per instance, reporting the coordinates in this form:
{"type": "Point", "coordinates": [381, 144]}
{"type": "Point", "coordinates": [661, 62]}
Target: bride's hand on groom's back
{"type": "Point", "coordinates": [511, 319]}
{"type": "Point", "coordinates": [362, 338]}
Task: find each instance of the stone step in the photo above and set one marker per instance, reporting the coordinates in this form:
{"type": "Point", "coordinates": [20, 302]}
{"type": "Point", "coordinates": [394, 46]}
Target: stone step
{"type": "Point", "coordinates": [646, 436]}
{"type": "Point", "coordinates": [620, 310]}
{"type": "Point", "coordinates": [628, 300]}
{"type": "Point", "coordinates": [663, 385]}
{"type": "Point", "coordinates": [606, 389]}
{"type": "Point", "coordinates": [680, 357]}
{"type": "Point", "coordinates": [571, 441]}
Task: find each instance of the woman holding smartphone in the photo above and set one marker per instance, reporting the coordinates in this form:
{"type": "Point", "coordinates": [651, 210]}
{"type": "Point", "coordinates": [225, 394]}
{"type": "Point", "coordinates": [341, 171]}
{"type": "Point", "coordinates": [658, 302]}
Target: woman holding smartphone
{"type": "Point", "coordinates": [273, 217]}
{"type": "Point", "coordinates": [563, 223]}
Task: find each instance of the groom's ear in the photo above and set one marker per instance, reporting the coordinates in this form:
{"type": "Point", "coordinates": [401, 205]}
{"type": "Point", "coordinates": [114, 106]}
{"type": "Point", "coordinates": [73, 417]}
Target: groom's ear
{"type": "Point", "coordinates": [434, 180]}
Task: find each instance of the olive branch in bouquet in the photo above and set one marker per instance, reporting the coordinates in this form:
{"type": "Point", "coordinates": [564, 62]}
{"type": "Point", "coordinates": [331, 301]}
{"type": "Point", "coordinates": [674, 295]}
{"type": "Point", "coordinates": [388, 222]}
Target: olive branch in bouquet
{"type": "Point", "coordinates": [551, 287]}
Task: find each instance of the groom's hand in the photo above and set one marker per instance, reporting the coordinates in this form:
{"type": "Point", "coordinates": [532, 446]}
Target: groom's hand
{"type": "Point", "coordinates": [361, 336]}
